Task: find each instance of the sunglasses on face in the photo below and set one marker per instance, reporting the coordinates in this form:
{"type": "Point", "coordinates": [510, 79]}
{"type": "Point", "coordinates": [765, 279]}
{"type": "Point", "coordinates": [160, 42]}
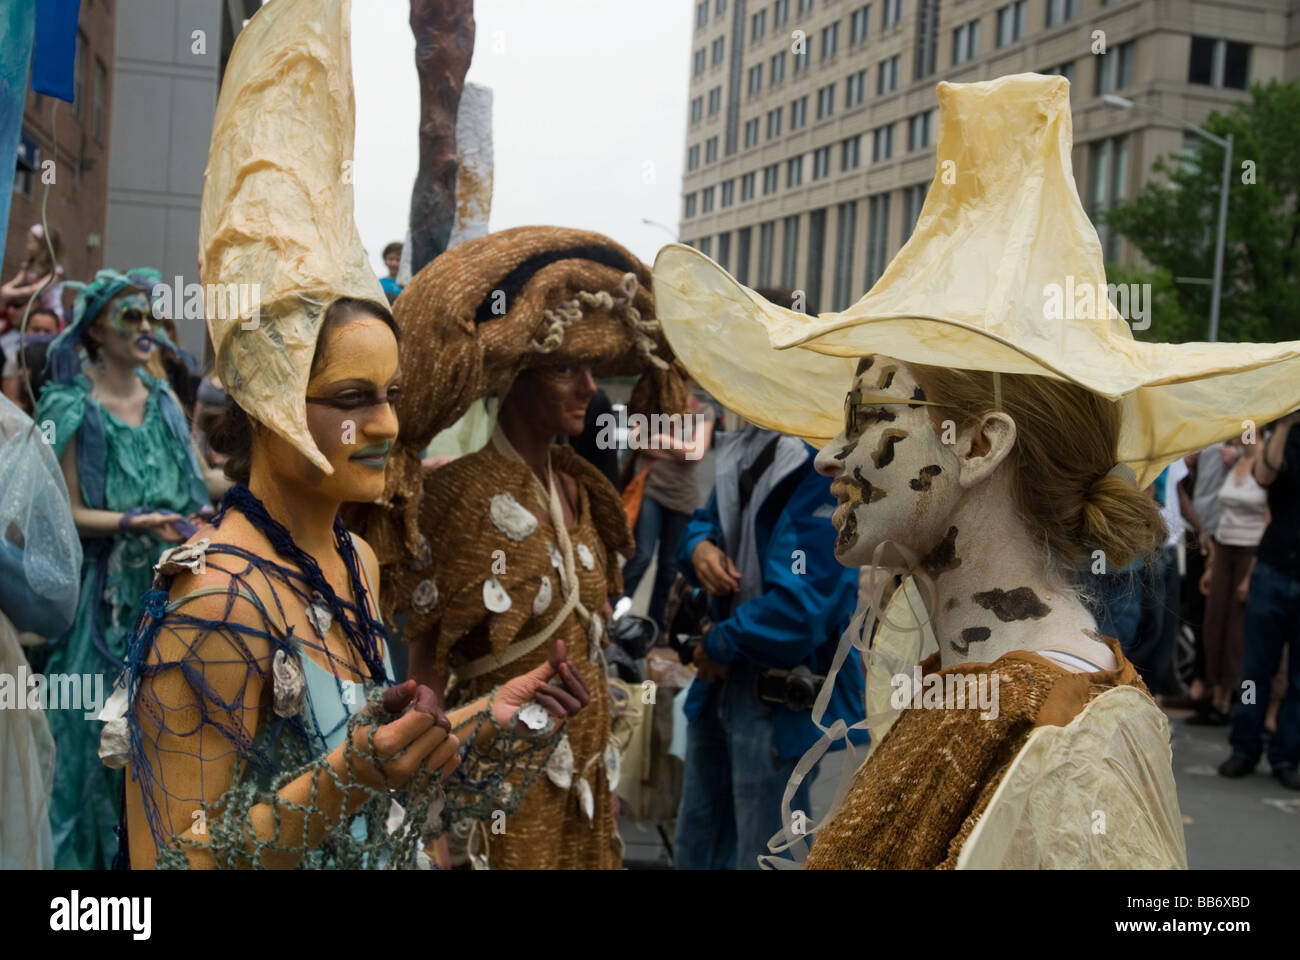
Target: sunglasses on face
{"type": "Point", "coordinates": [133, 312]}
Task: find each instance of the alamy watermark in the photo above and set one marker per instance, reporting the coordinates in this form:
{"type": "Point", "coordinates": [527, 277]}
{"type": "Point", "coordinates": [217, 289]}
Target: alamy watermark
{"type": "Point", "coordinates": [28, 690]}
{"type": "Point", "coordinates": [1084, 301]}
{"type": "Point", "coordinates": [659, 431]}
{"type": "Point", "coordinates": [208, 301]}
{"type": "Point", "coordinates": [953, 691]}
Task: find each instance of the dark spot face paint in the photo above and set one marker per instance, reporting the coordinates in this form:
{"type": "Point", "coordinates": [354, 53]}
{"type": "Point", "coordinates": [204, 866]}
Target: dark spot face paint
{"type": "Point", "coordinates": [917, 394]}
{"type": "Point", "coordinates": [950, 604]}
{"type": "Point", "coordinates": [922, 481]}
{"type": "Point", "coordinates": [943, 557]}
{"type": "Point", "coordinates": [884, 454]}
{"type": "Point", "coordinates": [847, 449]}
{"type": "Point", "coordinates": [864, 365]}
{"type": "Point", "coordinates": [1010, 605]}
{"type": "Point", "coordinates": [968, 636]}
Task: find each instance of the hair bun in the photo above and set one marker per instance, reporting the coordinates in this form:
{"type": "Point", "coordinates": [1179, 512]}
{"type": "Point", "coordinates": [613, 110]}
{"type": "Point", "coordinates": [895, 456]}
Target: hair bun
{"type": "Point", "coordinates": [1122, 521]}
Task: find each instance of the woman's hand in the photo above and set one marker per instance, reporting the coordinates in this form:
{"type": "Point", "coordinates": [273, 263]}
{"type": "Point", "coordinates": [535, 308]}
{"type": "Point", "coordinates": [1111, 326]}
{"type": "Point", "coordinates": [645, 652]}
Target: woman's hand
{"type": "Point", "coordinates": [560, 702]}
{"type": "Point", "coordinates": [1243, 590]}
{"type": "Point", "coordinates": [159, 524]}
{"type": "Point", "coordinates": [1204, 585]}
{"type": "Point", "coordinates": [408, 749]}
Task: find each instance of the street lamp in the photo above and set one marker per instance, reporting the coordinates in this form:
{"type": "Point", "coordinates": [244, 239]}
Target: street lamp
{"type": "Point", "coordinates": [1125, 104]}
{"type": "Point", "coordinates": [655, 223]}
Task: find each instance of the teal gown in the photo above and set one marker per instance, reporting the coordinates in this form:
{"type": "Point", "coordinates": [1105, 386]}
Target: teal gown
{"type": "Point", "coordinates": [152, 465]}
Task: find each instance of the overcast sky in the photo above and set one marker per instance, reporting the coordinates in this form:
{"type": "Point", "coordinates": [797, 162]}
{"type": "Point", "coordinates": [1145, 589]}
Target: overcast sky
{"type": "Point", "coordinates": [586, 94]}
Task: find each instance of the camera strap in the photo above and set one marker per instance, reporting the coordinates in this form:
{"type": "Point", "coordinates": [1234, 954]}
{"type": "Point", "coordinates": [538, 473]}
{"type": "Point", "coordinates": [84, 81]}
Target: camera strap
{"type": "Point", "coordinates": [750, 476]}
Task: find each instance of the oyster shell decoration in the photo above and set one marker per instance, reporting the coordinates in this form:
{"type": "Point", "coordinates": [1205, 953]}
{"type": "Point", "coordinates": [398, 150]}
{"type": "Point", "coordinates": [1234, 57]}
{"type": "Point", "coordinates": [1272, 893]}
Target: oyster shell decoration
{"type": "Point", "coordinates": [559, 769]}
{"type": "Point", "coordinates": [534, 716]}
{"type": "Point", "coordinates": [422, 557]}
{"type": "Point", "coordinates": [511, 517]}
{"type": "Point", "coordinates": [594, 632]}
{"type": "Point", "coordinates": [318, 612]}
{"type": "Point", "coordinates": [557, 560]}
{"type": "Point", "coordinates": [543, 599]}
{"type": "Point", "coordinates": [425, 596]}
{"type": "Point", "coordinates": [187, 557]}
{"type": "Point", "coordinates": [495, 597]}
{"type": "Point", "coordinates": [115, 744]}
{"type": "Point", "coordinates": [613, 765]}
{"type": "Point", "coordinates": [586, 557]}
{"type": "Point", "coordinates": [585, 799]}
{"type": "Point", "coordinates": [290, 685]}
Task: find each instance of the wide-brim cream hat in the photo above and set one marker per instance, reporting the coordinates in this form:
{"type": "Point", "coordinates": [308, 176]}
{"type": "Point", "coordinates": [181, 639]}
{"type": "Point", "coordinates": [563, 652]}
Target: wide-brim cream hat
{"type": "Point", "coordinates": [982, 284]}
{"type": "Point", "coordinates": [277, 211]}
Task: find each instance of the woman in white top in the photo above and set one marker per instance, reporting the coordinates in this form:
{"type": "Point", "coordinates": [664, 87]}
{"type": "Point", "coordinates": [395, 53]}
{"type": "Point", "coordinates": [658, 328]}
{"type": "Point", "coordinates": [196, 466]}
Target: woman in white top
{"type": "Point", "coordinates": [1226, 582]}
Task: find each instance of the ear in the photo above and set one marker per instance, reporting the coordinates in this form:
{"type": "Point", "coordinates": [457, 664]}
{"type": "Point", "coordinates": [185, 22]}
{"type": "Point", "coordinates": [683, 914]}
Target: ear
{"type": "Point", "coordinates": [983, 447]}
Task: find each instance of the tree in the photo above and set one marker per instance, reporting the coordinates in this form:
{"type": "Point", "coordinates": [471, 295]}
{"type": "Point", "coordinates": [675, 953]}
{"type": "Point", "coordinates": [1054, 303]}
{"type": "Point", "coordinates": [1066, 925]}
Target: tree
{"type": "Point", "coordinates": [1173, 220]}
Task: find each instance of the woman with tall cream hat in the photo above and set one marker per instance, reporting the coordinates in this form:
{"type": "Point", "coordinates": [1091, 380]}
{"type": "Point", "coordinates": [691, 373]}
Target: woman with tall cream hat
{"type": "Point", "coordinates": [999, 428]}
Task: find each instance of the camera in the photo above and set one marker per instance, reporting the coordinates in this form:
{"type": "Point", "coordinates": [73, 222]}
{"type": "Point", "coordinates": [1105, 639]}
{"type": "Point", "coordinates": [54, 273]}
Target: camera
{"type": "Point", "coordinates": [796, 689]}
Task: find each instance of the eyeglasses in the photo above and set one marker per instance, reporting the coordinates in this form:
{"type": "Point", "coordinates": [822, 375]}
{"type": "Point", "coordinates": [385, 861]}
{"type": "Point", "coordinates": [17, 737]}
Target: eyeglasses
{"type": "Point", "coordinates": [863, 409]}
{"type": "Point", "coordinates": [133, 312]}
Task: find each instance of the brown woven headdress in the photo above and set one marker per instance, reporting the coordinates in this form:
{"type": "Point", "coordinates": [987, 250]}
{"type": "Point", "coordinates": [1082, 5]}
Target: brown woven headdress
{"type": "Point", "coordinates": [494, 307]}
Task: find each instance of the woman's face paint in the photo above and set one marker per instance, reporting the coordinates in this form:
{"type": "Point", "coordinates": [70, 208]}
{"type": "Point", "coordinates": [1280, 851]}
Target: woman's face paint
{"type": "Point", "coordinates": [349, 412]}
{"type": "Point", "coordinates": [892, 476]}
{"type": "Point", "coordinates": [123, 330]}
{"type": "Point", "coordinates": [555, 399]}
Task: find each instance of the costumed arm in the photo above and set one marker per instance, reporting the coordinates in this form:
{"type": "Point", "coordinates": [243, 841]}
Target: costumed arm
{"type": "Point", "coordinates": [802, 587]}
{"type": "Point", "coordinates": [106, 523]}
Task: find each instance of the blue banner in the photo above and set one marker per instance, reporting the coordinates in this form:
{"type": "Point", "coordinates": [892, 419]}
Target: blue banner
{"type": "Point", "coordinates": [53, 61]}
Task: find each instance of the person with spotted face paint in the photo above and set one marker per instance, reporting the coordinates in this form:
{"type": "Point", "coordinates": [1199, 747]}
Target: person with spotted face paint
{"type": "Point", "coordinates": [989, 425]}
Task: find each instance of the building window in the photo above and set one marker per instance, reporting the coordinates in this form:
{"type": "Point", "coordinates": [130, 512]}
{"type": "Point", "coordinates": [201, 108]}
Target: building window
{"type": "Point", "coordinates": [705, 246]}
{"type": "Point", "coordinates": [794, 172]}
{"type": "Point", "coordinates": [719, 50]}
{"type": "Point", "coordinates": [855, 88]}
{"type": "Point", "coordinates": [711, 150]}
{"type": "Point", "coordinates": [700, 56]}
{"type": "Point", "coordinates": [801, 60]}
{"type": "Point", "coordinates": [826, 101]}
{"type": "Point", "coordinates": [816, 259]}
{"type": "Point", "coordinates": [882, 143]}
{"type": "Point", "coordinates": [926, 55]}
{"type": "Point", "coordinates": [887, 76]}
{"type": "Point", "coordinates": [805, 6]}
{"type": "Point", "coordinates": [755, 79]}
{"type": "Point", "coordinates": [728, 193]}
{"type": "Point", "coordinates": [1115, 68]}
{"type": "Point", "coordinates": [774, 123]}
{"type": "Point", "coordinates": [1219, 63]}
{"type": "Point", "coordinates": [777, 71]}
{"type": "Point", "coordinates": [965, 42]}
{"type": "Point", "coordinates": [751, 133]}
{"type": "Point", "coordinates": [1107, 176]}
{"type": "Point", "coordinates": [766, 241]}
{"type": "Point", "coordinates": [851, 153]}
{"type": "Point", "coordinates": [742, 254]}
{"type": "Point", "coordinates": [858, 22]}
{"type": "Point", "coordinates": [724, 250]}
{"type": "Point", "coordinates": [747, 186]}
{"type": "Point", "coordinates": [715, 100]}
{"type": "Point", "coordinates": [780, 13]}
{"type": "Point", "coordinates": [720, 7]}
{"type": "Point", "coordinates": [697, 109]}
{"type": "Point", "coordinates": [690, 207]}
{"type": "Point", "coordinates": [846, 225]}
{"type": "Point", "coordinates": [1011, 22]}
{"type": "Point", "coordinates": [892, 13]}
{"type": "Point", "coordinates": [771, 178]}
{"type": "Point", "coordinates": [1061, 11]}
{"type": "Point", "coordinates": [758, 26]}
{"type": "Point", "coordinates": [701, 14]}
{"type": "Point", "coordinates": [821, 163]}
{"type": "Point", "coordinates": [100, 98]}
{"type": "Point", "coordinates": [789, 250]}
{"type": "Point", "coordinates": [798, 113]}
{"type": "Point", "coordinates": [913, 198]}
{"type": "Point", "coordinates": [693, 158]}
{"type": "Point", "coordinates": [877, 237]}
{"type": "Point", "coordinates": [706, 200]}
{"type": "Point", "coordinates": [918, 130]}
{"type": "Point", "coordinates": [830, 40]}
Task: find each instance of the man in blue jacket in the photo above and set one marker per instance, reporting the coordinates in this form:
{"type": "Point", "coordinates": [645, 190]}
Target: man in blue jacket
{"type": "Point", "coordinates": [764, 547]}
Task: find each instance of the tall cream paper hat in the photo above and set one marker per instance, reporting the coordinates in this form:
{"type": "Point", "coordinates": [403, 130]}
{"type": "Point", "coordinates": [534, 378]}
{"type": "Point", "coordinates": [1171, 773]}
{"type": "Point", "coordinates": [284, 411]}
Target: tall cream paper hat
{"type": "Point", "coordinates": [277, 207]}
{"type": "Point", "coordinates": [1001, 239]}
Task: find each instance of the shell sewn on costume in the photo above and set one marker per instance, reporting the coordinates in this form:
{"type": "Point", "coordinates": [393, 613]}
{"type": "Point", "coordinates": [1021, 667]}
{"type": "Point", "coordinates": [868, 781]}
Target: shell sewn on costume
{"type": "Point", "coordinates": [115, 744]}
{"type": "Point", "coordinates": [511, 517]}
{"type": "Point", "coordinates": [586, 557]}
{"type": "Point", "coordinates": [422, 557]}
{"type": "Point", "coordinates": [318, 612]}
{"type": "Point", "coordinates": [290, 685]}
{"type": "Point", "coordinates": [534, 716]}
{"type": "Point", "coordinates": [495, 597]}
{"type": "Point", "coordinates": [187, 557]}
{"type": "Point", "coordinates": [425, 596]}
{"type": "Point", "coordinates": [543, 599]}
{"type": "Point", "coordinates": [594, 631]}
{"type": "Point", "coordinates": [585, 799]}
{"type": "Point", "coordinates": [613, 765]}
{"type": "Point", "coordinates": [557, 561]}
{"type": "Point", "coordinates": [559, 769]}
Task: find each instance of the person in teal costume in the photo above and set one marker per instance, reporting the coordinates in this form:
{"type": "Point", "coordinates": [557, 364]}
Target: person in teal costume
{"type": "Point", "coordinates": [133, 478]}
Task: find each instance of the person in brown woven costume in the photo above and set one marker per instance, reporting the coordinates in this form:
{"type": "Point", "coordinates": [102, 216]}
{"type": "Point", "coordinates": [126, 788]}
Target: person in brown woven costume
{"type": "Point", "coordinates": [501, 552]}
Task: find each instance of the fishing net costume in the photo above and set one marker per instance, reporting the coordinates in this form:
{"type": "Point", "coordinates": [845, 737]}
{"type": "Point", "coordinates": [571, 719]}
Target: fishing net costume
{"type": "Point", "coordinates": [221, 706]}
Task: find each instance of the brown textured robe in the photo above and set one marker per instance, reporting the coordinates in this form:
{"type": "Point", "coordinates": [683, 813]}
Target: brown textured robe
{"type": "Point", "coordinates": [550, 829]}
{"type": "Point", "coordinates": [916, 801]}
